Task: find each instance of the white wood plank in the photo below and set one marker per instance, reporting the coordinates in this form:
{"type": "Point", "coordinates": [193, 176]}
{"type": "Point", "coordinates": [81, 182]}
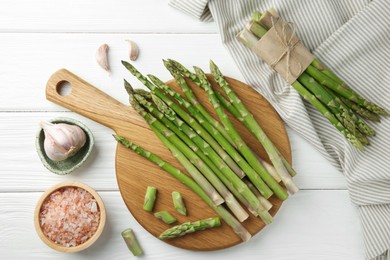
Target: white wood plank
{"type": "Point", "coordinates": [22, 170]}
{"type": "Point", "coordinates": [319, 225]}
{"type": "Point", "coordinates": [28, 60]}
{"type": "Point", "coordinates": [145, 16]}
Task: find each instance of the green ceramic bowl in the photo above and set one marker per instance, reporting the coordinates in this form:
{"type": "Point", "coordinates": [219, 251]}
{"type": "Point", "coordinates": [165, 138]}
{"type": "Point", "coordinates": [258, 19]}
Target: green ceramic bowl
{"type": "Point", "coordinates": [72, 163]}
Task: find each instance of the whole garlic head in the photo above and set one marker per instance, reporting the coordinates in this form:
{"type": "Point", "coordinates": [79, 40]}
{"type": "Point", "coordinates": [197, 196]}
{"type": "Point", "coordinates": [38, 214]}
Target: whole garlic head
{"type": "Point", "coordinates": [62, 140]}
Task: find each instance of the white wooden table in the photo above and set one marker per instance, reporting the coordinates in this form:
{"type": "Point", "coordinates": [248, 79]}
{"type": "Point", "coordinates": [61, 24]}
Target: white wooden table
{"type": "Point", "coordinates": [38, 37]}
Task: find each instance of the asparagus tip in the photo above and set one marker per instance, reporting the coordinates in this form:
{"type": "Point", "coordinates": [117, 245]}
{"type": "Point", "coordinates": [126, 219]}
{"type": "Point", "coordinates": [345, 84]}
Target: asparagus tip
{"type": "Point", "coordinates": [117, 137]}
{"type": "Point", "coordinates": [128, 87]}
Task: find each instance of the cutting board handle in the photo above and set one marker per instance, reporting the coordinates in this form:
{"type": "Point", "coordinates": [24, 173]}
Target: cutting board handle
{"type": "Point", "coordinates": [91, 102]}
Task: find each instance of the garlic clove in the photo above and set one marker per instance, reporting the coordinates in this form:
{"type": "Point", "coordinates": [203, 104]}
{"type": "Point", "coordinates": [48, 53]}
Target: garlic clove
{"type": "Point", "coordinates": [102, 57]}
{"type": "Point", "coordinates": [62, 140]}
{"type": "Point", "coordinates": [133, 50]}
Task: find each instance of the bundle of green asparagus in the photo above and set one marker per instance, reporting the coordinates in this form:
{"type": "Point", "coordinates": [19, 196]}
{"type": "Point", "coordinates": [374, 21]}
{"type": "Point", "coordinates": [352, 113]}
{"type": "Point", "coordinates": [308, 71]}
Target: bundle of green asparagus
{"type": "Point", "coordinates": [330, 95]}
{"type": "Point", "coordinates": [223, 169]}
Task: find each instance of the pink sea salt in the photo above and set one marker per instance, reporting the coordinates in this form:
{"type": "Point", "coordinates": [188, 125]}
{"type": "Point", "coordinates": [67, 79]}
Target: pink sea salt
{"type": "Point", "coordinates": [69, 216]}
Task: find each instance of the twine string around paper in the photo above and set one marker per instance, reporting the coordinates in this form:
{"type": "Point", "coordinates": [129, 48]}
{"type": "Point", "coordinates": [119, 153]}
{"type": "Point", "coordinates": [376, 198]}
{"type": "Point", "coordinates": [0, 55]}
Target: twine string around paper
{"type": "Point", "coordinates": [288, 43]}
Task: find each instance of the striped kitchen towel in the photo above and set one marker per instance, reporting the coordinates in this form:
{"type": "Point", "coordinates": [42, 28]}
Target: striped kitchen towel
{"type": "Point", "coordinates": [353, 39]}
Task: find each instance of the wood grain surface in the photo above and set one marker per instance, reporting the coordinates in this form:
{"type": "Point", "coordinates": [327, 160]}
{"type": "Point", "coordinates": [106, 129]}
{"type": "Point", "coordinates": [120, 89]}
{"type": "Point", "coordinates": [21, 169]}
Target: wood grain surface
{"type": "Point", "coordinates": [135, 173]}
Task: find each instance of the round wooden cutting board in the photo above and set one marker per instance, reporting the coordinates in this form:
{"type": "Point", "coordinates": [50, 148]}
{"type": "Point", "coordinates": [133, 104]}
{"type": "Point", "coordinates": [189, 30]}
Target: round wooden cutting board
{"type": "Point", "coordinates": [135, 173]}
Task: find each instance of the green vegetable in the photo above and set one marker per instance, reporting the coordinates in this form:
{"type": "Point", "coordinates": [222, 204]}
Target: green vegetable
{"type": "Point", "coordinates": [190, 227]}
{"type": "Point", "coordinates": [131, 242]}
{"type": "Point", "coordinates": [165, 216]}
{"type": "Point", "coordinates": [150, 198]}
{"type": "Point", "coordinates": [178, 203]}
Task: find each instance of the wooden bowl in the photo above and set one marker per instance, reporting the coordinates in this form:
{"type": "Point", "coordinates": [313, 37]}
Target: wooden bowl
{"type": "Point", "coordinates": [87, 243]}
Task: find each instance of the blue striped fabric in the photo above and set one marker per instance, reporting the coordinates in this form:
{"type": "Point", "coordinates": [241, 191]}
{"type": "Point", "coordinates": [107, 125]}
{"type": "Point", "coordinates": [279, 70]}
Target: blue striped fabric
{"type": "Point", "coordinates": [352, 37]}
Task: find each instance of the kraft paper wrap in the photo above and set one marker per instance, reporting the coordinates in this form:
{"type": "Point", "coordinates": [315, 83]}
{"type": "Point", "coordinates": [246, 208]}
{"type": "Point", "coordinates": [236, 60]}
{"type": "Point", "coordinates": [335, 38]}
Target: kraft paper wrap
{"type": "Point", "coordinates": [283, 51]}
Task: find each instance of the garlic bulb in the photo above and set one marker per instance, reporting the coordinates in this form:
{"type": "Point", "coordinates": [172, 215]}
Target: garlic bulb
{"type": "Point", "coordinates": [133, 50]}
{"type": "Point", "coordinates": [62, 140]}
{"type": "Point", "coordinates": [102, 57]}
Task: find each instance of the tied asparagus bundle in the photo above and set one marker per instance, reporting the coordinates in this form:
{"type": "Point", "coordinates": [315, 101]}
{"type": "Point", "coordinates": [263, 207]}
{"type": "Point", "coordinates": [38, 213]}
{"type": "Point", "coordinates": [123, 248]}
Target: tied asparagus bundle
{"type": "Point", "coordinates": [331, 96]}
{"type": "Point", "coordinates": [223, 170]}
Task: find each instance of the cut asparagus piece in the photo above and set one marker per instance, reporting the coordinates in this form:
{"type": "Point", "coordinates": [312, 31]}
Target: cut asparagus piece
{"type": "Point", "coordinates": [256, 130]}
{"type": "Point", "coordinates": [183, 178]}
{"type": "Point", "coordinates": [240, 144]}
{"type": "Point", "coordinates": [190, 227]}
{"type": "Point", "coordinates": [131, 242]}
{"type": "Point", "coordinates": [165, 216]}
{"type": "Point", "coordinates": [150, 198]}
{"type": "Point", "coordinates": [178, 203]}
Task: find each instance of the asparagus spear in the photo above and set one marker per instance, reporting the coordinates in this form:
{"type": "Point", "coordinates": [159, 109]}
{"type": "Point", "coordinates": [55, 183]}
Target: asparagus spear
{"type": "Point", "coordinates": [190, 227]}
{"type": "Point", "coordinates": [204, 151]}
{"type": "Point", "coordinates": [183, 178]}
{"type": "Point", "coordinates": [256, 130]}
{"type": "Point", "coordinates": [178, 203]}
{"type": "Point", "coordinates": [240, 144]}
{"type": "Point", "coordinates": [257, 181]}
{"type": "Point", "coordinates": [165, 216]}
{"type": "Point", "coordinates": [150, 198]}
{"type": "Point", "coordinates": [131, 242]}
{"type": "Point", "coordinates": [226, 103]}
{"type": "Point", "coordinates": [208, 127]}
